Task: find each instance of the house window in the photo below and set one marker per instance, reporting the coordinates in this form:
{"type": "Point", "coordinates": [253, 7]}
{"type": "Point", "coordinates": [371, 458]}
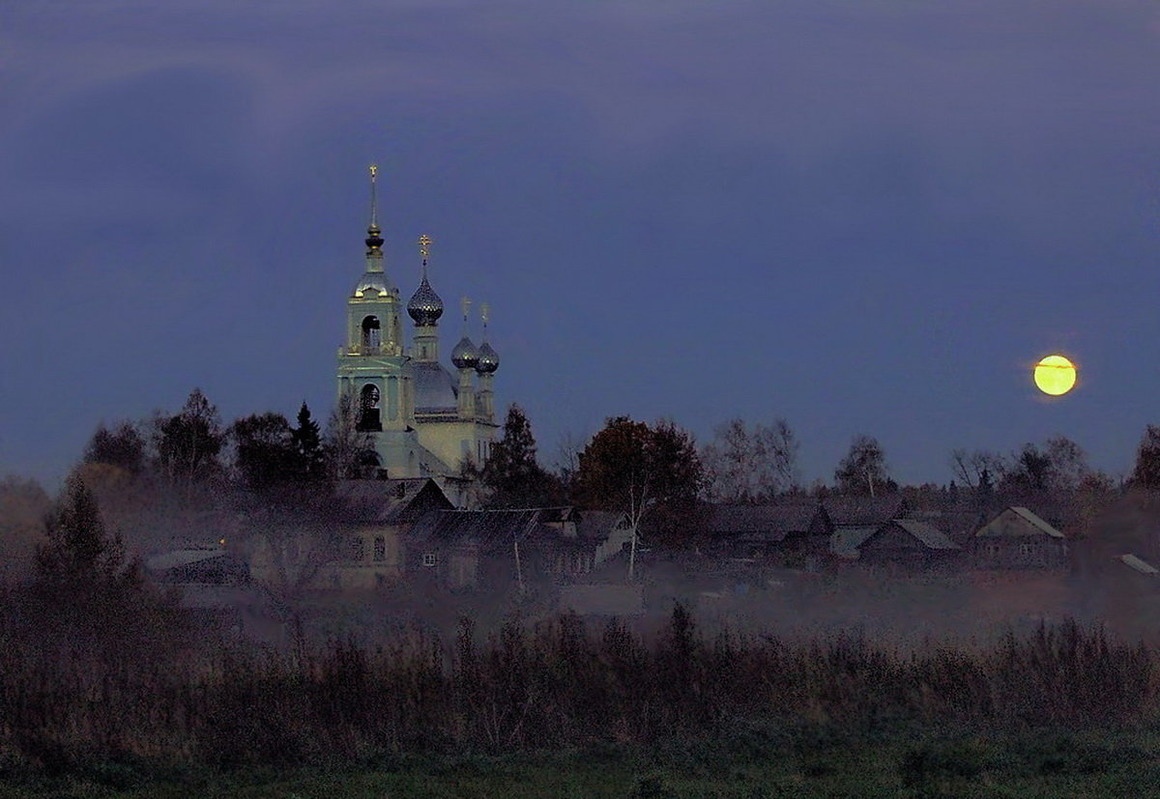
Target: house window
{"type": "Point", "coordinates": [358, 548]}
{"type": "Point", "coordinates": [1025, 550]}
{"type": "Point", "coordinates": [429, 559]}
{"type": "Point", "coordinates": [380, 548]}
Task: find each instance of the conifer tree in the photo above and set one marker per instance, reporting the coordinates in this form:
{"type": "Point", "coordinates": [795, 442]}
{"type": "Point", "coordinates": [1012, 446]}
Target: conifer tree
{"type": "Point", "coordinates": [511, 472]}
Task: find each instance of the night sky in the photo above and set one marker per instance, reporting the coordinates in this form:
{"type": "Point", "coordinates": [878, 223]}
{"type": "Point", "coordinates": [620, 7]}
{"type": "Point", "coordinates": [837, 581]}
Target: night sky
{"type": "Point", "coordinates": [865, 217]}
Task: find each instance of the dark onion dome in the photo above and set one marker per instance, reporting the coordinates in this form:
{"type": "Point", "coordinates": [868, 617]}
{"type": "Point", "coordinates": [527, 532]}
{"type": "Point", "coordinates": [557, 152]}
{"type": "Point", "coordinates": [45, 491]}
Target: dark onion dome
{"type": "Point", "coordinates": [488, 360]}
{"type": "Point", "coordinates": [425, 306]}
{"type": "Point", "coordinates": [374, 240]}
{"type": "Point", "coordinates": [465, 355]}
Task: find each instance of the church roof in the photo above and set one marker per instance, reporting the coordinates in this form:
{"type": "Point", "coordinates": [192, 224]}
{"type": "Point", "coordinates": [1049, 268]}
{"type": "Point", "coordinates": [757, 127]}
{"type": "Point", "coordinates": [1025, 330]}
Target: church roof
{"type": "Point", "coordinates": [435, 388]}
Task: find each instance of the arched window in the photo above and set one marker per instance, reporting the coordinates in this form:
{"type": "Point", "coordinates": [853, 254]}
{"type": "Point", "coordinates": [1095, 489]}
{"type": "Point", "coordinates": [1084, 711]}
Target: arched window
{"type": "Point", "coordinates": [369, 408]}
{"type": "Point", "coordinates": [372, 334]}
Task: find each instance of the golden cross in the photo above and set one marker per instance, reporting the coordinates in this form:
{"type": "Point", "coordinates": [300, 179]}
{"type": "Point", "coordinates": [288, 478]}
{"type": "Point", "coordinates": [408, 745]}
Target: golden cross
{"type": "Point", "coordinates": [424, 246]}
{"type": "Point", "coordinates": [484, 312]}
{"type": "Point", "coordinates": [465, 304]}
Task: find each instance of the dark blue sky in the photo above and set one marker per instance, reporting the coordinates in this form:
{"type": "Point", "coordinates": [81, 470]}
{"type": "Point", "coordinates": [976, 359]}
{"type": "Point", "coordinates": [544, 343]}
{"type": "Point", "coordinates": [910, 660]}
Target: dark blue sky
{"type": "Point", "coordinates": [862, 216]}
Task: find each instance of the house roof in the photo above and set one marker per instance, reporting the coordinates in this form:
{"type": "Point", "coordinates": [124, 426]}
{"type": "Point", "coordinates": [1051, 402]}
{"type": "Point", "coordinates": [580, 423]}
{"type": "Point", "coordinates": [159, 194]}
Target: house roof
{"type": "Point", "coordinates": [599, 524]}
{"type": "Point", "coordinates": [181, 557]}
{"type": "Point", "coordinates": [844, 511]}
{"type": "Point", "coordinates": [768, 521]}
{"type": "Point", "coordinates": [1142, 566]}
{"type": "Point", "coordinates": [930, 537]}
{"type": "Point", "coordinates": [491, 530]}
{"type": "Point", "coordinates": [1033, 525]}
{"type": "Point", "coordinates": [846, 540]}
{"type": "Point", "coordinates": [391, 501]}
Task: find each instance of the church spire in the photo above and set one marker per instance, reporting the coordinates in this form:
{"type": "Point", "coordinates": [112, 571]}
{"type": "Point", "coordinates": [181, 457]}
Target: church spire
{"type": "Point", "coordinates": [374, 239]}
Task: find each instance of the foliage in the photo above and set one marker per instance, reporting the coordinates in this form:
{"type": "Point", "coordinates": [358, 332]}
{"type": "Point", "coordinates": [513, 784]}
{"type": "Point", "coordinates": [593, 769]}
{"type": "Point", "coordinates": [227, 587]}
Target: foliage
{"type": "Point", "coordinates": [744, 465]}
{"type": "Point", "coordinates": [349, 453]}
{"type": "Point", "coordinates": [123, 447]}
{"type": "Point", "coordinates": [511, 472]}
{"type": "Point", "coordinates": [1061, 465]}
{"type": "Point", "coordinates": [306, 439]}
{"type": "Point", "coordinates": [651, 473]}
{"type": "Point", "coordinates": [78, 551]}
{"type": "Point", "coordinates": [189, 442]}
{"type": "Point", "coordinates": [863, 469]}
{"type": "Point", "coordinates": [1146, 473]}
{"type": "Point", "coordinates": [264, 452]}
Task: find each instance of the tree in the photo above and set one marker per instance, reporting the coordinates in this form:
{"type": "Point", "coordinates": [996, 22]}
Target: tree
{"type": "Point", "coordinates": [1060, 465]}
{"type": "Point", "coordinates": [349, 452]}
{"type": "Point", "coordinates": [511, 472]}
{"type": "Point", "coordinates": [976, 467]}
{"type": "Point", "coordinates": [122, 447]}
{"type": "Point", "coordinates": [264, 452]}
{"type": "Point", "coordinates": [645, 472]}
{"type": "Point", "coordinates": [307, 442]}
{"type": "Point", "coordinates": [1146, 473]}
{"type": "Point", "coordinates": [744, 465]}
{"type": "Point", "coordinates": [189, 442]}
{"type": "Point", "coordinates": [78, 552]}
{"type": "Point", "coordinates": [863, 470]}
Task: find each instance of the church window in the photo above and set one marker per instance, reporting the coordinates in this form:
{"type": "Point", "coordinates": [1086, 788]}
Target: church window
{"type": "Point", "coordinates": [372, 334]}
{"type": "Point", "coordinates": [380, 548]}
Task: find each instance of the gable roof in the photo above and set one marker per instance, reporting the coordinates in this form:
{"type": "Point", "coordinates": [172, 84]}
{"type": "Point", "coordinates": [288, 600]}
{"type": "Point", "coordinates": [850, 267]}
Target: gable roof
{"type": "Point", "coordinates": [1142, 566]}
{"type": "Point", "coordinates": [391, 501]}
{"type": "Point", "coordinates": [491, 530]}
{"type": "Point", "coordinates": [1032, 524]}
{"type": "Point", "coordinates": [599, 524]}
{"type": "Point", "coordinates": [768, 521]}
{"type": "Point", "coordinates": [847, 540]}
{"type": "Point", "coordinates": [844, 511]}
{"type": "Point", "coordinates": [930, 537]}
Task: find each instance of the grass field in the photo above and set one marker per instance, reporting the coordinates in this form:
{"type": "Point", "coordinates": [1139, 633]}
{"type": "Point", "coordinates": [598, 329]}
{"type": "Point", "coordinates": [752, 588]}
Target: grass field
{"type": "Point", "coordinates": [749, 766]}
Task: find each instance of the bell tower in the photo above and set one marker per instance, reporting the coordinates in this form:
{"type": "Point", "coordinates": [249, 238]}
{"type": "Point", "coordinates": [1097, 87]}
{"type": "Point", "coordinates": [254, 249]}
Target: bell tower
{"type": "Point", "coordinates": [372, 367]}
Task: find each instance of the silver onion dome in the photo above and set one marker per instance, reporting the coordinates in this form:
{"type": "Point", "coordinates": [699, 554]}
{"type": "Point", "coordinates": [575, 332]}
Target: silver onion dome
{"type": "Point", "coordinates": [425, 306]}
{"type": "Point", "coordinates": [488, 360]}
{"type": "Point", "coordinates": [465, 355]}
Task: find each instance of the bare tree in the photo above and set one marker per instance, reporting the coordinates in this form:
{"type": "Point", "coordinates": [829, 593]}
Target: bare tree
{"type": "Point", "coordinates": [349, 451]}
{"type": "Point", "coordinates": [863, 470]}
{"type": "Point", "coordinates": [974, 468]}
{"type": "Point", "coordinates": [750, 465]}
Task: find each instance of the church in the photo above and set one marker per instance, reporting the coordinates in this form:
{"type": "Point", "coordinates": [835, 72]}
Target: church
{"type": "Point", "coordinates": [423, 420]}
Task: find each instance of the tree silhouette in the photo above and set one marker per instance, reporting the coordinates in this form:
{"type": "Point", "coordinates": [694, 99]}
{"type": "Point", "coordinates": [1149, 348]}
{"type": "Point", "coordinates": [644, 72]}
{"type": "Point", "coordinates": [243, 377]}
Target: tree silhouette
{"type": "Point", "coordinates": [1146, 473]}
{"type": "Point", "coordinates": [511, 473]}
{"type": "Point", "coordinates": [189, 442]}
{"type": "Point", "coordinates": [863, 470]}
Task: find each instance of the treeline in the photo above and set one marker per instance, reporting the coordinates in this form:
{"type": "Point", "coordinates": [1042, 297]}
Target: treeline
{"type": "Point", "coordinates": [557, 685]}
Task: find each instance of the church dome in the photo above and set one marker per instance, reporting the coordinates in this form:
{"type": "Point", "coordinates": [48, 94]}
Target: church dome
{"type": "Point", "coordinates": [488, 359]}
{"type": "Point", "coordinates": [465, 355]}
{"type": "Point", "coordinates": [425, 306]}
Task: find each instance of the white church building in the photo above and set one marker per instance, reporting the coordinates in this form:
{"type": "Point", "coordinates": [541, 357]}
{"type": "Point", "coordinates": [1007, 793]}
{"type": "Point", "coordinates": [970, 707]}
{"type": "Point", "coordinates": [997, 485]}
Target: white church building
{"type": "Point", "coordinates": [424, 420]}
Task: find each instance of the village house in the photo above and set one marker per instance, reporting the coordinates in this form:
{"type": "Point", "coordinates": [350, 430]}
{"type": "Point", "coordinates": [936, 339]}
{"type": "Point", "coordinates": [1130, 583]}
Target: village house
{"type": "Point", "coordinates": [494, 549]}
{"type": "Point", "coordinates": [1016, 538]}
{"type": "Point", "coordinates": [899, 544]}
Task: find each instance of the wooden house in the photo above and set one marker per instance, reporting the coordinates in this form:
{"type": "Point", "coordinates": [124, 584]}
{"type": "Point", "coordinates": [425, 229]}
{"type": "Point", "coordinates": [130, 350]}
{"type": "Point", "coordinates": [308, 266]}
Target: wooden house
{"type": "Point", "coordinates": [764, 534]}
{"type": "Point", "coordinates": [1016, 538]}
{"type": "Point", "coordinates": [493, 549]}
{"type": "Point", "coordinates": [899, 544]}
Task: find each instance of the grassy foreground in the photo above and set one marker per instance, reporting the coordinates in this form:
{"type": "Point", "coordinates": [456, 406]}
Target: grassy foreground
{"type": "Point", "coordinates": [749, 765]}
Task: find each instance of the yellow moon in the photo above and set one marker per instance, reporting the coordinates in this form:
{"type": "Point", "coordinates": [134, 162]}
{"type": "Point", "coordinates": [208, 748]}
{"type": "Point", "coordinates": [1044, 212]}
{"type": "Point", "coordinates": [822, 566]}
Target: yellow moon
{"type": "Point", "coordinates": [1055, 375]}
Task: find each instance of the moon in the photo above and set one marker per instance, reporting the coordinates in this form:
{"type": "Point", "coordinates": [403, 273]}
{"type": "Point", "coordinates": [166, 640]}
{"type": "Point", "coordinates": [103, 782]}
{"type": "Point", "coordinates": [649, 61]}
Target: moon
{"type": "Point", "coordinates": [1055, 375]}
